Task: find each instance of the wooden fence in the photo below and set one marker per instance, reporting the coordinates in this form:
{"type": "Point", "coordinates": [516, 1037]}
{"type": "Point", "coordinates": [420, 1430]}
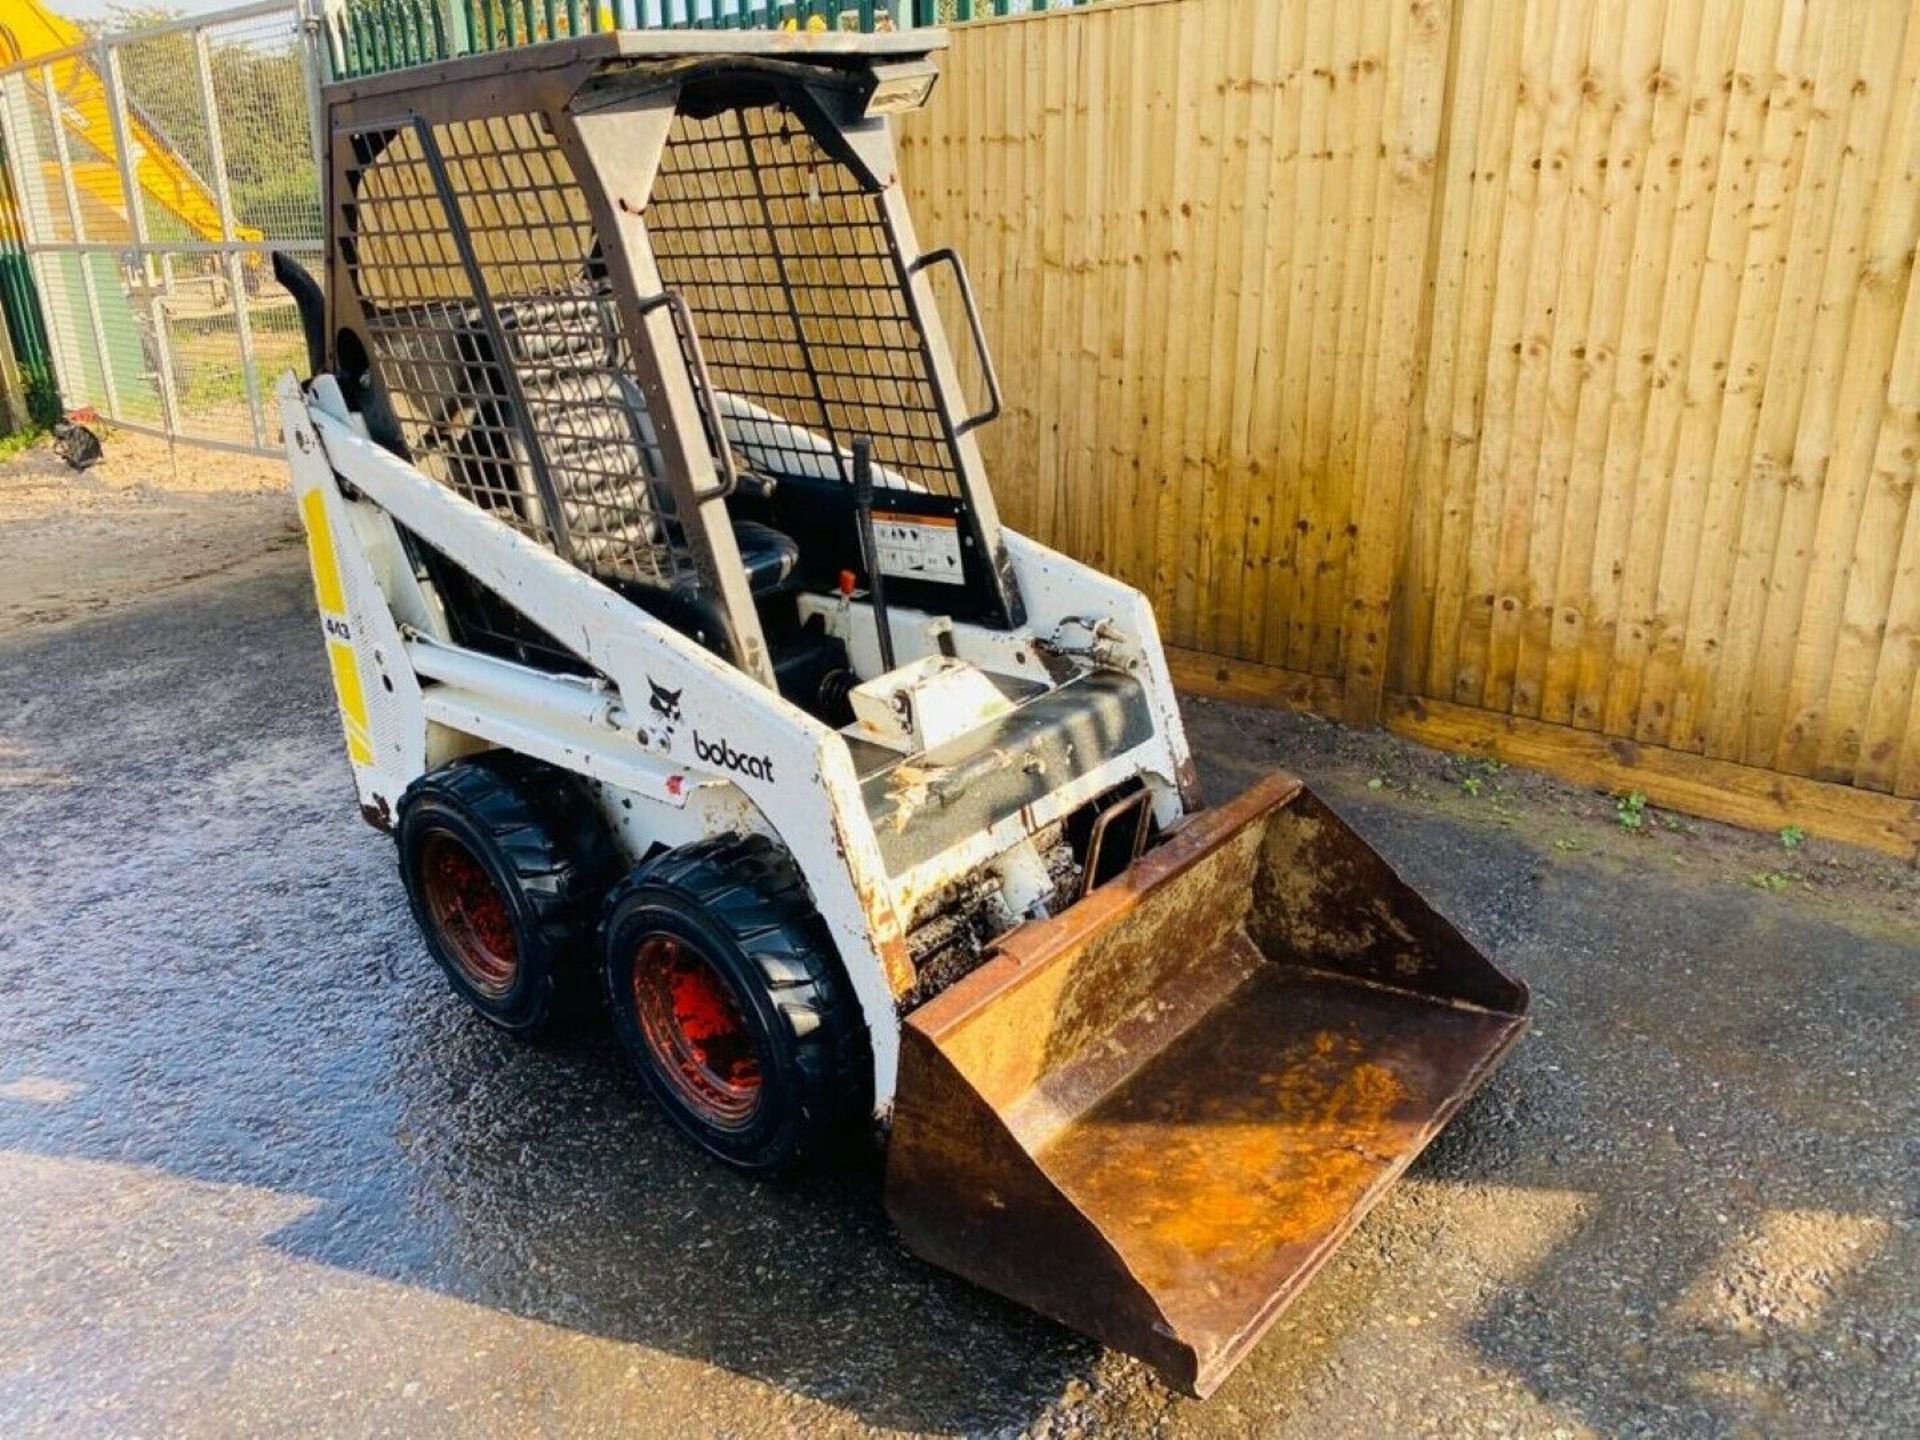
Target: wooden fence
{"type": "Point", "coordinates": [1534, 376]}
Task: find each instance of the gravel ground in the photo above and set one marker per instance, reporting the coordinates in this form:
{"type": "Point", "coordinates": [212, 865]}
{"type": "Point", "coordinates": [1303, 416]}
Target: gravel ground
{"type": "Point", "coordinates": [264, 1176]}
{"type": "Point", "coordinates": [148, 517]}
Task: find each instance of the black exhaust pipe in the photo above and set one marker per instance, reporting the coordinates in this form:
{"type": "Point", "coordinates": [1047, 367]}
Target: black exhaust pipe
{"type": "Point", "coordinates": [311, 302]}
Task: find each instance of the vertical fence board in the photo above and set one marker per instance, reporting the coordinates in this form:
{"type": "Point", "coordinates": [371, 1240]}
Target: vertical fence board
{"type": "Point", "coordinates": [1791, 375]}
{"type": "Point", "coordinates": [1506, 355]}
{"type": "Point", "coordinates": [1210, 451]}
{"type": "Point", "coordinates": [1656, 477]}
{"type": "Point", "coordinates": [1267, 426]}
{"type": "Point", "coordinates": [1292, 476]}
{"type": "Point", "coordinates": [1884, 476]}
{"type": "Point", "coordinates": [1753, 278]}
{"type": "Point", "coordinates": [1868, 100]}
{"type": "Point", "coordinates": [1203, 251]}
{"type": "Point", "coordinates": [1702, 359]}
{"type": "Point", "coordinates": [1238, 531]}
{"type": "Point", "coordinates": [1525, 503]}
{"type": "Point", "coordinates": [1424, 35]}
{"type": "Point", "coordinates": [1592, 365]}
{"type": "Point", "coordinates": [1586, 103]}
{"type": "Point", "coordinates": [1643, 260]}
{"type": "Point", "coordinates": [1891, 694]}
{"type": "Point", "coordinates": [1472, 221]}
{"type": "Point", "coordinates": [1841, 548]}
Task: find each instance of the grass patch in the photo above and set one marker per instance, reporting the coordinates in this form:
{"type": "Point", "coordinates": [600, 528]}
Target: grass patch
{"type": "Point", "coordinates": [12, 445]}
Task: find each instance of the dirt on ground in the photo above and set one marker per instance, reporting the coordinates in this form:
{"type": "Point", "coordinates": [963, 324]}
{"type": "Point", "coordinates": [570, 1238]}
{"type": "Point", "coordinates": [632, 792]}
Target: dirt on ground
{"type": "Point", "coordinates": [264, 1175]}
{"type": "Point", "coordinates": [1573, 822]}
{"type": "Point", "coordinates": [149, 516]}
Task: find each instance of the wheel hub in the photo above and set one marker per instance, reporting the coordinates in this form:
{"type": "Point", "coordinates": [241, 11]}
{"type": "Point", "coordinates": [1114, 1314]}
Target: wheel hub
{"type": "Point", "coordinates": [471, 914]}
{"type": "Point", "coordinates": [696, 1031]}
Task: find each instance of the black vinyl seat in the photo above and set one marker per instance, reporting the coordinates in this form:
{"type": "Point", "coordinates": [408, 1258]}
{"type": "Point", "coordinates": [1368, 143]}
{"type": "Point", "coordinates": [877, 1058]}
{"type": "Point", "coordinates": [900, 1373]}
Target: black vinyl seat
{"type": "Point", "coordinates": [770, 557]}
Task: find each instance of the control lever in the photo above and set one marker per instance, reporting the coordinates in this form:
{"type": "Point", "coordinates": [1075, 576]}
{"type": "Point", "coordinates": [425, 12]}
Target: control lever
{"type": "Point", "coordinates": [870, 549]}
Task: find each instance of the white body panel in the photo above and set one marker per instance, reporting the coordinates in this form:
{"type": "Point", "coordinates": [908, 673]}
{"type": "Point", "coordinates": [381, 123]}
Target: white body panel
{"type": "Point", "coordinates": [728, 754]}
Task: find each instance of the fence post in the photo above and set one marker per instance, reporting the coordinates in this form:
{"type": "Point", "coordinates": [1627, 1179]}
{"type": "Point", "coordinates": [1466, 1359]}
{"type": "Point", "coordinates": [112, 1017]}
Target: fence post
{"type": "Point", "coordinates": [109, 63]}
{"type": "Point", "coordinates": [313, 23]}
{"type": "Point", "coordinates": [63, 153]}
{"type": "Point", "coordinates": [223, 196]}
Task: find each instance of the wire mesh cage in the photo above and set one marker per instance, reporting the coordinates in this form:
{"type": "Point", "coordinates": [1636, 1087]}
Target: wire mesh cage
{"type": "Point", "coordinates": [762, 292]}
{"type": "Point", "coordinates": [471, 250]}
{"type": "Point", "coordinates": [494, 329]}
{"type": "Point", "coordinates": [797, 290]}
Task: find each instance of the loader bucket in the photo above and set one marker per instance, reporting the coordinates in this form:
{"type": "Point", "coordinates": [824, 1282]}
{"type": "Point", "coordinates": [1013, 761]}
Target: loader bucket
{"type": "Point", "coordinates": [1153, 1116]}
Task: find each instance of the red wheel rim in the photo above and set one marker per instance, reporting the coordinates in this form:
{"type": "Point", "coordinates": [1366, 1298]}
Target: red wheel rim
{"type": "Point", "coordinates": [696, 1031]}
{"type": "Point", "coordinates": [471, 915]}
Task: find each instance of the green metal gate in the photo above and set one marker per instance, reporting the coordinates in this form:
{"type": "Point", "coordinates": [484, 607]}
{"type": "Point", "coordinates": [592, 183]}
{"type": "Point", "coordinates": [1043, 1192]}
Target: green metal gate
{"type": "Point", "coordinates": [366, 37]}
{"type": "Point", "coordinates": [151, 173]}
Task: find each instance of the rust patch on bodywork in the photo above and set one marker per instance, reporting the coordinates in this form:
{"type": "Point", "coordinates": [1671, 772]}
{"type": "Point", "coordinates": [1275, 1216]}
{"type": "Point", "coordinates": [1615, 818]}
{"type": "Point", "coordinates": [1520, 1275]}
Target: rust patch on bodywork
{"type": "Point", "coordinates": [897, 964]}
{"type": "Point", "coordinates": [890, 945]}
{"type": "Point", "coordinates": [1156, 1114]}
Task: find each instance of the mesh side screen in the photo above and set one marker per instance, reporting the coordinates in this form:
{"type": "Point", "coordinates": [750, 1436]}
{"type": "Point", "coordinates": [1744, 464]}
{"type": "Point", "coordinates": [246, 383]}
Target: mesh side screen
{"type": "Point", "coordinates": [787, 266]}
{"type": "Point", "coordinates": [519, 368]}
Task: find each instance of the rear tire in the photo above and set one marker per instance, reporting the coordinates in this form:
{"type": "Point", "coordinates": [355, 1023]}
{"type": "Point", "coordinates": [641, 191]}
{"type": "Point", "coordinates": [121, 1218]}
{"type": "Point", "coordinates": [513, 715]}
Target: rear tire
{"type": "Point", "coordinates": [731, 1004]}
{"type": "Point", "coordinates": [505, 860]}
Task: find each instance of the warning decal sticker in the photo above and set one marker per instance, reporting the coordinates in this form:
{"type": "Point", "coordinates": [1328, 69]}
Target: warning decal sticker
{"type": "Point", "coordinates": [918, 547]}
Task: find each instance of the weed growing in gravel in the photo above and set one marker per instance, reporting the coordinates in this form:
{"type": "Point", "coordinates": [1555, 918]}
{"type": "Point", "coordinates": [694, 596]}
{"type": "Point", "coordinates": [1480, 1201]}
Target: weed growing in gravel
{"type": "Point", "coordinates": [1473, 775]}
{"type": "Point", "coordinates": [11, 445]}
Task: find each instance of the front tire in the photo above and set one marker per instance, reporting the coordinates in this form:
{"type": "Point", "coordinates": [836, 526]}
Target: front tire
{"type": "Point", "coordinates": [731, 1005]}
{"type": "Point", "coordinates": [504, 860]}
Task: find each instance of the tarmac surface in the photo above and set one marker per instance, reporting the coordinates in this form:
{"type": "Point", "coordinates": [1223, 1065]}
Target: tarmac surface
{"type": "Point", "coordinates": [264, 1175]}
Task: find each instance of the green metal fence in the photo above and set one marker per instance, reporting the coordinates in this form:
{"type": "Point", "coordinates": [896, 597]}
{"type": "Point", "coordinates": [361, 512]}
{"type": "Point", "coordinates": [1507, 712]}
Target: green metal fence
{"type": "Point", "coordinates": [20, 312]}
{"type": "Point", "coordinates": [370, 36]}
{"type": "Point", "coordinates": [367, 37]}
{"type": "Point", "coordinates": [950, 12]}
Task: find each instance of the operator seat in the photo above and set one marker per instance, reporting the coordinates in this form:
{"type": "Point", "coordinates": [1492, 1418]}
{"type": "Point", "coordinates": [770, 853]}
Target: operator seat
{"type": "Point", "coordinates": [598, 441]}
{"type": "Point", "coordinates": [771, 557]}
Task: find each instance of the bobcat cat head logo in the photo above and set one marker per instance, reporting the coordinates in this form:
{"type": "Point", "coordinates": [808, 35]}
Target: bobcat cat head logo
{"type": "Point", "coordinates": [666, 703]}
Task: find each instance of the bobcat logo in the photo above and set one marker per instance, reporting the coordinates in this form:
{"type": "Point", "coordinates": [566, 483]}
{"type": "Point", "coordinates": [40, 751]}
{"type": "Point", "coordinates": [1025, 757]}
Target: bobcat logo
{"type": "Point", "coordinates": [722, 755]}
{"type": "Point", "coordinates": [666, 703]}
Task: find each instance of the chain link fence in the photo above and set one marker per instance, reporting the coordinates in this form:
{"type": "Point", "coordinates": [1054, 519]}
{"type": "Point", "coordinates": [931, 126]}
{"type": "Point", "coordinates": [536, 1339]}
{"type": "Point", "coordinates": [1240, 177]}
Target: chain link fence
{"type": "Point", "coordinates": [152, 173]}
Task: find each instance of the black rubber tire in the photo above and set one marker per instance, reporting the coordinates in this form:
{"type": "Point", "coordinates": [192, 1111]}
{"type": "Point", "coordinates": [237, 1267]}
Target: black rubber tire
{"type": "Point", "coordinates": [738, 902]}
{"type": "Point", "coordinates": [542, 842]}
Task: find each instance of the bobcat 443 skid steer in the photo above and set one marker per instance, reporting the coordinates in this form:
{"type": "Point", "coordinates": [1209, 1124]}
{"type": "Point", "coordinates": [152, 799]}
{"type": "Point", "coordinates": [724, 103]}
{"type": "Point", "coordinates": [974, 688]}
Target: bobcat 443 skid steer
{"type": "Point", "coordinates": [678, 643]}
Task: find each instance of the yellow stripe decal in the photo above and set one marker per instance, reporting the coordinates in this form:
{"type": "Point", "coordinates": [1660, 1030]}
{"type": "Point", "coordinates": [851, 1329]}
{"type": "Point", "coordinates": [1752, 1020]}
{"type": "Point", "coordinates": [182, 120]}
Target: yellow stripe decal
{"type": "Point", "coordinates": [353, 704]}
{"type": "Point", "coordinates": [326, 569]}
{"type": "Point", "coordinates": [333, 606]}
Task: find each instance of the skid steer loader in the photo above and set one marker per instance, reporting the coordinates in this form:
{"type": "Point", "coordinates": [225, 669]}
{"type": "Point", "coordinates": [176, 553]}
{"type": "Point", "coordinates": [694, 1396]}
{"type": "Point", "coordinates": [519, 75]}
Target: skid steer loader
{"type": "Point", "coordinates": [678, 643]}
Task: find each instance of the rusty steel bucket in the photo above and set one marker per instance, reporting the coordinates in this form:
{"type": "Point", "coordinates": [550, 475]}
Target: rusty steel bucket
{"type": "Point", "coordinates": [1153, 1116]}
